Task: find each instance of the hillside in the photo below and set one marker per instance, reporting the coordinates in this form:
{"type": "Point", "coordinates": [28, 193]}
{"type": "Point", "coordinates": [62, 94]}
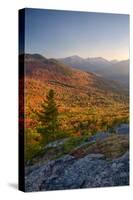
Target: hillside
{"type": "Point", "coordinates": [87, 103]}
{"type": "Point", "coordinates": [51, 70]}
{"type": "Point", "coordinates": [74, 88]}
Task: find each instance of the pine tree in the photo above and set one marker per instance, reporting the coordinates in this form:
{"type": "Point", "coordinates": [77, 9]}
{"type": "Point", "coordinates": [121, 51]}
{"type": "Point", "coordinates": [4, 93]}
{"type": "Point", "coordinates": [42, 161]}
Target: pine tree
{"type": "Point", "coordinates": [49, 115]}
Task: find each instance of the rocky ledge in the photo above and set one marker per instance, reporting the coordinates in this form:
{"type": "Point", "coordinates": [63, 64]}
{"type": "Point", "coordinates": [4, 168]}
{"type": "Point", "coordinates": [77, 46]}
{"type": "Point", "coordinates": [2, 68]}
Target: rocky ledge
{"type": "Point", "coordinates": [68, 172]}
{"type": "Point", "coordinates": [100, 161]}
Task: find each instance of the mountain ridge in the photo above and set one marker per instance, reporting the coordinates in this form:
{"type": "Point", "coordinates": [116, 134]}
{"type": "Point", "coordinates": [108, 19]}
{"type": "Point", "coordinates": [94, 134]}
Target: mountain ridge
{"type": "Point", "coordinates": [36, 65]}
{"type": "Point", "coordinates": [113, 70]}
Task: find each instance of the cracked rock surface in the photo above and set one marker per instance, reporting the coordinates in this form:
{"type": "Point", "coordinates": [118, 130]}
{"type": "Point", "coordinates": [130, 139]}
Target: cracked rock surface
{"type": "Point", "coordinates": [93, 170]}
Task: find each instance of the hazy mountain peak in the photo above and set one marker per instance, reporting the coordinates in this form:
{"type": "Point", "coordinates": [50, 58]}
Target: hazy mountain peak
{"type": "Point", "coordinates": [98, 59]}
{"type": "Point", "coordinates": [74, 57]}
{"type": "Point", "coordinates": [114, 70]}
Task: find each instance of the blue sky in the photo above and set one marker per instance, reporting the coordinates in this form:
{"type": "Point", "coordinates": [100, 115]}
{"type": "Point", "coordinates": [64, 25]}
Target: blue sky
{"type": "Point", "coordinates": [59, 34]}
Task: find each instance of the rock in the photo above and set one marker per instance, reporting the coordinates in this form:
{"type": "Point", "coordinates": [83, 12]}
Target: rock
{"type": "Point", "coordinates": [99, 136]}
{"type": "Point", "coordinates": [96, 156]}
{"type": "Point", "coordinates": [42, 173]}
{"type": "Point", "coordinates": [124, 158]}
{"type": "Point", "coordinates": [114, 166]}
{"type": "Point", "coordinates": [56, 143]}
{"type": "Point", "coordinates": [123, 129]}
{"type": "Point", "coordinates": [93, 170]}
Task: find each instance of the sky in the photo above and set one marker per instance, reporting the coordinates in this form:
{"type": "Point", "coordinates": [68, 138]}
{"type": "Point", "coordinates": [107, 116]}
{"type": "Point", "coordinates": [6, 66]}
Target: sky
{"type": "Point", "coordinates": [58, 34]}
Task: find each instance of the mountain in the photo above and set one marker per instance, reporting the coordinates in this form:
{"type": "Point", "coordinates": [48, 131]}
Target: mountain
{"type": "Point", "coordinates": [114, 70]}
{"type": "Point", "coordinates": [120, 71]}
{"type": "Point", "coordinates": [87, 103]}
{"type": "Point", "coordinates": [36, 62]}
{"type": "Point", "coordinates": [77, 91]}
{"type": "Point", "coordinates": [52, 70]}
{"type": "Point", "coordinates": [89, 64]}
{"type": "Point", "coordinates": [114, 61]}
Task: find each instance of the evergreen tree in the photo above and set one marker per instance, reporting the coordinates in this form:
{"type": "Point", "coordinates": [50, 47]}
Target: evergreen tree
{"type": "Point", "coordinates": [49, 115]}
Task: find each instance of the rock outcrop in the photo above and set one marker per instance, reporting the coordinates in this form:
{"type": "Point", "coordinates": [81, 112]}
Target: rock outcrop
{"type": "Point", "coordinates": [68, 172]}
{"type": "Point", "coordinates": [86, 170]}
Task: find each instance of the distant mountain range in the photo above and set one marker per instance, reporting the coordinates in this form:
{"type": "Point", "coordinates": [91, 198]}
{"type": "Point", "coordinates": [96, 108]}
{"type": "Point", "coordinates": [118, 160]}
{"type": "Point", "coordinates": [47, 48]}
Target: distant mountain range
{"type": "Point", "coordinates": [52, 70]}
{"type": "Point", "coordinates": [115, 70]}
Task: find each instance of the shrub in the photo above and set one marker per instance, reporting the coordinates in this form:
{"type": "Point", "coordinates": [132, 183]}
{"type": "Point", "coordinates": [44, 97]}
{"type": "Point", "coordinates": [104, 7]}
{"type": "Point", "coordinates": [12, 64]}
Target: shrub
{"type": "Point", "coordinates": [32, 144]}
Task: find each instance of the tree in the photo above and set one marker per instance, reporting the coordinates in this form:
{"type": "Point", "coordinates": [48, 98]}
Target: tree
{"type": "Point", "coordinates": [49, 115]}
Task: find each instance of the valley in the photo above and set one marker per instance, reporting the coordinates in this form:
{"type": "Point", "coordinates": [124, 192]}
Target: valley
{"type": "Point", "coordinates": [86, 103]}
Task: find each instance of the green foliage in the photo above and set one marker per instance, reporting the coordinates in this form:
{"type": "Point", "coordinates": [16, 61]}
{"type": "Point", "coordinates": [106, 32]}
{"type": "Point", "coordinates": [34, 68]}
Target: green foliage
{"type": "Point", "coordinates": [47, 136]}
{"type": "Point", "coordinates": [72, 143]}
{"type": "Point", "coordinates": [82, 112]}
{"type": "Point", "coordinates": [32, 144]}
{"type": "Point", "coordinates": [49, 116]}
